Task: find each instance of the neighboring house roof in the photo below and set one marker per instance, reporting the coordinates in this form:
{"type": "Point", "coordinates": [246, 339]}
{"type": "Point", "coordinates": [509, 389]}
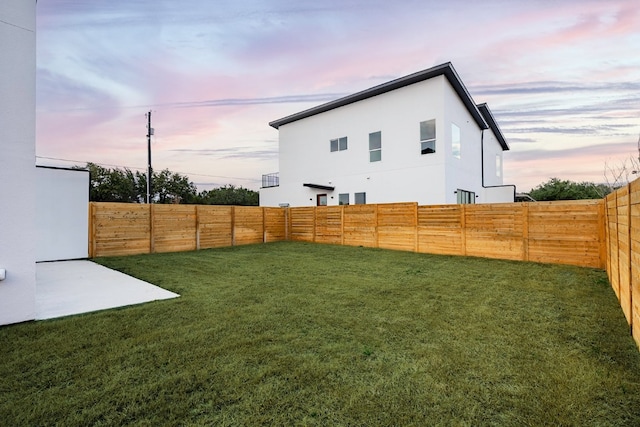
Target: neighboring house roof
{"type": "Point", "coordinates": [445, 69]}
{"type": "Point", "coordinates": [488, 117]}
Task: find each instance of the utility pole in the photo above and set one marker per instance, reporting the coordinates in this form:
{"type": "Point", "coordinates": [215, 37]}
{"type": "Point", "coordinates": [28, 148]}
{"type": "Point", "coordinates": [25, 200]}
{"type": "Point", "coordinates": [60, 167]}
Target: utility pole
{"type": "Point", "coordinates": [149, 170]}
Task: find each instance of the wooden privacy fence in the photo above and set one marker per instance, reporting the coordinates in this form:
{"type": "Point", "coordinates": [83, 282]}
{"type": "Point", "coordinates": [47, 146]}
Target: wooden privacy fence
{"type": "Point", "coordinates": [127, 228]}
{"type": "Point", "coordinates": [552, 232]}
{"type": "Point", "coordinates": [623, 250]}
{"type": "Point", "coordinates": [593, 233]}
{"type": "Point", "coordinates": [557, 232]}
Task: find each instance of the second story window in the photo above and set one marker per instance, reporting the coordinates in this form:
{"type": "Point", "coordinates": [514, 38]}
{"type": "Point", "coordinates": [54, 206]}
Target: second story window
{"type": "Point", "coordinates": [455, 141]}
{"type": "Point", "coordinates": [428, 137]}
{"type": "Point", "coordinates": [339, 144]}
{"type": "Point", "coordinates": [375, 146]}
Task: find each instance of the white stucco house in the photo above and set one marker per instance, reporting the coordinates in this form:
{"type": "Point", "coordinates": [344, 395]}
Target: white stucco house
{"type": "Point", "coordinates": [17, 161]}
{"type": "Point", "coordinates": [419, 138]}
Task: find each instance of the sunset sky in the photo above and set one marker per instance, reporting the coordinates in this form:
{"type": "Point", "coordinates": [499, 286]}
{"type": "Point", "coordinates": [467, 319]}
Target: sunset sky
{"type": "Point", "coordinates": [561, 77]}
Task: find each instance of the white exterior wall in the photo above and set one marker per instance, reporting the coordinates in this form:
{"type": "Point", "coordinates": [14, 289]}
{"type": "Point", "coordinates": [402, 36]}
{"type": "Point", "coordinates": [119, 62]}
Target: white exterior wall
{"type": "Point", "coordinates": [493, 176]}
{"type": "Point", "coordinates": [403, 175]}
{"type": "Point", "coordinates": [463, 173]}
{"type": "Point", "coordinates": [17, 161]}
{"type": "Point", "coordinates": [62, 214]}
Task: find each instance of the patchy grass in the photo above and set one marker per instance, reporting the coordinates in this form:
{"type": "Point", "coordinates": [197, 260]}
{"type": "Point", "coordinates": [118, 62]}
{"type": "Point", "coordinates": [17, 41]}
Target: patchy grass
{"type": "Point", "coordinates": [303, 334]}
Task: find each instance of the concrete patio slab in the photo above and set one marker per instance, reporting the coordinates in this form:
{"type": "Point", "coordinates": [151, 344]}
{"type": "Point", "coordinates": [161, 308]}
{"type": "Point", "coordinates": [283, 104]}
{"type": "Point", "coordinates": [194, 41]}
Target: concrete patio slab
{"type": "Point", "coordinates": [66, 288]}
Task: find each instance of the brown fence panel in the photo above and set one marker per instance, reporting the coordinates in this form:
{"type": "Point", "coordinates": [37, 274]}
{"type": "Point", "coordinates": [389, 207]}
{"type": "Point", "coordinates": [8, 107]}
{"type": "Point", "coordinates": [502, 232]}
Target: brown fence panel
{"type": "Point", "coordinates": [440, 229]}
{"type": "Point", "coordinates": [634, 219]}
{"type": "Point", "coordinates": [494, 231]}
{"type": "Point", "coordinates": [396, 225]}
{"type": "Point", "coordinates": [275, 220]}
{"type": "Point", "coordinates": [119, 229]}
{"type": "Point", "coordinates": [248, 225]}
{"type": "Point", "coordinates": [359, 226]}
{"type": "Point", "coordinates": [328, 224]}
{"type": "Point", "coordinates": [624, 250]}
{"type": "Point", "coordinates": [215, 226]}
{"type": "Point", "coordinates": [565, 233]}
{"type": "Point", "coordinates": [173, 228]}
{"type": "Point", "coordinates": [302, 224]}
{"type": "Point", "coordinates": [612, 239]}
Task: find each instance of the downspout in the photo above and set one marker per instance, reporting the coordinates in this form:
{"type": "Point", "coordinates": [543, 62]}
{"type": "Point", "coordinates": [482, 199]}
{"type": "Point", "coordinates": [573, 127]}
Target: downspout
{"type": "Point", "coordinates": [482, 168]}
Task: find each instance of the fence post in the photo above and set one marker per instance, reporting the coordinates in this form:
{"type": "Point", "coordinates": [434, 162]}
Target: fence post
{"type": "Point", "coordinates": [287, 216]}
{"type": "Point", "coordinates": [197, 228]}
{"type": "Point", "coordinates": [233, 225]}
{"type": "Point", "coordinates": [630, 259]}
{"type": "Point", "coordinates": [463, 228]}
{"type": "Point", "coordinates": [342, 225]}
{"type": "Point", "coordinates": [152, 242]}
{"type": "Point", "coordinates": [264, 225]}
{"type": "Point", "coordinates": [416, 242]}
{"type": "Point", "coordinates": [375, 216]}
{"type": "Point", "coordinates": [525, 231]}
{"type": "Point", "coordinates": [603, 222]}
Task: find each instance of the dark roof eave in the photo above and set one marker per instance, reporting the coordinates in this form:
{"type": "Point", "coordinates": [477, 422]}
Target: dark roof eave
{"type": "Point", "coordinates": [319, 186]}
{"type": "Point", "coordinates": [445, 69]}
{"type": "Point", "coordinates": [493, 125]}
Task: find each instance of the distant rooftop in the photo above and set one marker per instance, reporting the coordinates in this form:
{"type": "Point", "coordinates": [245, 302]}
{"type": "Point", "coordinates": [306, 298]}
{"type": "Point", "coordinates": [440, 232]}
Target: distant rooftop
{"type": "Point", "coordinates": [445, 69]}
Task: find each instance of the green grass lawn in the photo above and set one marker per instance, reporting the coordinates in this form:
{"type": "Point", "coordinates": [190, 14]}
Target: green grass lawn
{"type": "Point", "coordinates": [302, 334]}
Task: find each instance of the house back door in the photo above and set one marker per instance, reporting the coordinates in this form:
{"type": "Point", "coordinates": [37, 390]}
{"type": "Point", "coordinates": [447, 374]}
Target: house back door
{"type": "Point", "coordinates": [322, 200]}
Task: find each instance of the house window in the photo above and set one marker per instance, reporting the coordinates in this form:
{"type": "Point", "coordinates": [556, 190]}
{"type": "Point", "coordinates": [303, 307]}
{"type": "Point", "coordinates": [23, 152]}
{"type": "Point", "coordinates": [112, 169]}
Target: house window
{"type": "Point", "coordinates": [466, 197]}
{"type": "Point", "coordinates": [361, 198]}
{"type": "Point", "coordinates": [498, 165]}
{"type": "Point", "coordinates": [375, 147]}
{"type": "Point", "coordinates": [343, 199]}
{"type": "Point", "coordinates": [455, 140]}
{"type": "Point", "coordinates": [321, 200]}
{"type": "Point", "coordinates": [339, 144]}
{"type": "Point", "coordinates": [428, 137]}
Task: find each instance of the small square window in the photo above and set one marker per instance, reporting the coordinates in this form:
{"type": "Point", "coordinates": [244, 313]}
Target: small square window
{"type": "Point", "coordinates": [427, 147]}
{"type": "Point", "coordinates": [338, 144]}
{"type": "Point", "coordinates": [343, 199]}
{"type": "Point", "coordinates": [360, 198]}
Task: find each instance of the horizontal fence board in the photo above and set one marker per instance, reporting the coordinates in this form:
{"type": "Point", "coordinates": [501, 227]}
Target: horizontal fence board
{"type": "Point", "coordinates": [127, 229]}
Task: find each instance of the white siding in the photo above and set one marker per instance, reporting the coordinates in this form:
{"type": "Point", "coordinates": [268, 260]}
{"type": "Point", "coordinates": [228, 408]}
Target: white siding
{"type": "Point", "coordinates": [403, 174]}
{"type": "Point", "coordinates": [62, 214]}
{"type": "Point", "coordinates": [17, 162]}
{"type": "Point", "coordinates": [463, 173]}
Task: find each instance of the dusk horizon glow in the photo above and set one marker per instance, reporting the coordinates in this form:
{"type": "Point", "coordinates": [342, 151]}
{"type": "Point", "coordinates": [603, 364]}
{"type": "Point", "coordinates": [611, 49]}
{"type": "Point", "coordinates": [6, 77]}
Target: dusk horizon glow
{"type": "Point", "coordinates": [561, 78]}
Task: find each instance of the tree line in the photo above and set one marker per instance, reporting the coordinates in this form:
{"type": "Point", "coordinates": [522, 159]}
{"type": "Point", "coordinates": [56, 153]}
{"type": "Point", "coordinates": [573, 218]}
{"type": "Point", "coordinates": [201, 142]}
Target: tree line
{"type": "Point", "coordinates": [124, 185]}
{"type": "Point", "coordinates": [559, 189]}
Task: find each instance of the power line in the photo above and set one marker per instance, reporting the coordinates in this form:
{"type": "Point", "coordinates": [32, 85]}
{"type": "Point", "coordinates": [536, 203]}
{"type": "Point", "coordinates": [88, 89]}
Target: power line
{"type": "Point", "coordinates": [17, 26]}
{"type": "Point", "coordinates": [144, 169]}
